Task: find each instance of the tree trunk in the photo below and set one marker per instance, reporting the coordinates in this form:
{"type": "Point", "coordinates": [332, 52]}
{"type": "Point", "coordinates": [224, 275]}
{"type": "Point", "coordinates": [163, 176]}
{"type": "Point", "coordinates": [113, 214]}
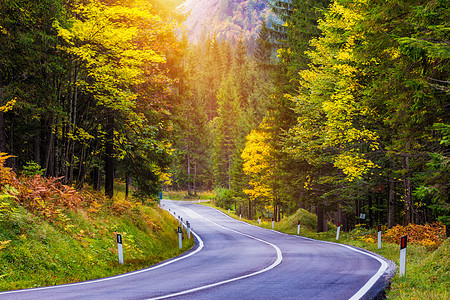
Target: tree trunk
{"type": "Point", "coordinates": [195, 178]}
{"type": "Point", "coordinates": [109, 156]}
{"type": "Point", "coordinates": [391, 203]}
{"type": "Point", "coordinates": [71, 150]}
{"type": "Point", "coordinates": [127, 181]}
{"type": "Point", "coordinates": [407, 218]}
{"type": "Point", "coordinates": [370, 211]}
{"type": "Point", "coordinates": [50, 157]}
{"type": "Point", "coordinates": [189, 172]}
{"type": "Point", "coordinates": [2, 133]}
{"type": "Point", "coordinates": [320, 217]}
{"type": "Point", "coordinates": [11, 162]}
{"type": "Point", "coordinates": [357, 211]}
{"type": "Point", "coordinates": [96, 178]}
{"type": "Point", "coordinates": [37, 145]}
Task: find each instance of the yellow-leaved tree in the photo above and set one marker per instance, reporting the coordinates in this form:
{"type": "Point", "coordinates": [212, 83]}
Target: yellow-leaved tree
{"type": "Point", "coordinates": [331, 115]}
{"type": "Point", "coordinates": [121, 47]}
{"type": "Point", "coordinates": [257, 156]}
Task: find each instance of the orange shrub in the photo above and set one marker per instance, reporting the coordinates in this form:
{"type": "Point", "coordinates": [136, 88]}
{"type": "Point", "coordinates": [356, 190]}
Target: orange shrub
{"type": "Point", "coordinates": [42, 196]}
{"type": "Point", "coordinates": [429, 235]}
{"type": "Point", "coordinates": [46, 195]}
{"type": "Point", "coordinates": [7, 176]}
{"type": "Point", "coordinates": [121, 206]}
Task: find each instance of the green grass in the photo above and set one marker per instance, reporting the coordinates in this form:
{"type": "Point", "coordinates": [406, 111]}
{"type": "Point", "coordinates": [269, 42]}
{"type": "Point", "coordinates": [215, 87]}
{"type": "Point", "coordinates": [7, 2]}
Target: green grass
{"type": "Point", "coordinates": [83, 245]}
{"type": "Point", "coordinates": [183, 195]}
{"type": "Point", "coordinates": [427, 271]}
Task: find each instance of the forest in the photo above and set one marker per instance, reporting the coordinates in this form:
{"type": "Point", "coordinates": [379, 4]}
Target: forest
{"type": "Point", "coordinates": [338, 107]}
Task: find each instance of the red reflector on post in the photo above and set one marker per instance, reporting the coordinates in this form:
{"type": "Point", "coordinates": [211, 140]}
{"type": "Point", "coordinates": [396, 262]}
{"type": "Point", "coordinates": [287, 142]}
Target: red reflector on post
{"type": "Point", "coordinates": [379, 227]}
{"type": "Point", "coordinates": [403, 242]}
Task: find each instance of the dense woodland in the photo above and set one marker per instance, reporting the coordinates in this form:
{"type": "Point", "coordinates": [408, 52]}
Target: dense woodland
{"type": "Point", "coordinates": [85, 88]}
{"type": "Point", "coordinates": [340, 107]}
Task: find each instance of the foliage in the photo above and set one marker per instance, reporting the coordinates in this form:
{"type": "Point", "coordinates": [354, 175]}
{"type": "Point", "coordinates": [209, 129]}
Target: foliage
{"type": "Point", "coordinates": [31, 169]}
{"type": "Point", "coordinates": [6, 176]}
{"type": "Point", "coordinates": [223, 198]}
{"type": "Point", "coordinates": [359, 111]}
{"type": "Point", "coordinates": [307, 220]}
{"type": "Point", "coordinates": [83, 79]}
{"type": "Point", "coordinates": [429, 235]}
{"type": "Point", "coordinates": [46, 196]}
{"type": "Point", "coordinates": [426, 277]}
{"type": "Point", "coordinates": [51, 234]}
{"type": "Point", "coordinates": [257, 165]}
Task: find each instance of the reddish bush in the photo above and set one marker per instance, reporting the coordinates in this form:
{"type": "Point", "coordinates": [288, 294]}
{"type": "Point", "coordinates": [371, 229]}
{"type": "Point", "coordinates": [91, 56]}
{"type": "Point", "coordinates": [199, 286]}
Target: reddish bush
{"type": "Point", "coordinates": [46, 195]}
{"type": "Point", "coordinates": [429, 235]}
{"type": "Point", "coordinates": [42, 196]}
{"type": "Point", "coordinates": [7, 176]}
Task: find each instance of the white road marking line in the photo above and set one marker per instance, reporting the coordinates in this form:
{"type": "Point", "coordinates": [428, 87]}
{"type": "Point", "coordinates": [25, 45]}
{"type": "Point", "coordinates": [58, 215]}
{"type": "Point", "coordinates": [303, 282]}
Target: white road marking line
{"type": "Point", "coordinates": [276, 263]}
{"type": "Point", "coordinates": [200, 247]}
{"type": "Point", "coordinates": [366, 287]}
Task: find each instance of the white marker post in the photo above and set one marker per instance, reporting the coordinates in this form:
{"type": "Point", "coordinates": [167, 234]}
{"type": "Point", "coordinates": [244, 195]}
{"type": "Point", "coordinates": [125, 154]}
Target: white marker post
{"type": "Point", "coordinates": [240, 215]}
{"type": "Point", "coordinates": [273, 223]}
{"type": "Point", "coordinates": [119, 248]}
{"type": "Point", "coordinates": [338, 230]}
{"type": "Point", "coordinates": [379, 236]}
{"type": "Point", "coordinates": [188, 229]}
{"type": "Point", "coordinates": [298, 228]}
{"type": "Point", "coordinates": [228, 211]}
{"type": "Point", "coordinates": [180, 238]}
{"type": "Point", "coordinates": [259, 220]}
{"type": "Point", "coordinates": [403, 243]}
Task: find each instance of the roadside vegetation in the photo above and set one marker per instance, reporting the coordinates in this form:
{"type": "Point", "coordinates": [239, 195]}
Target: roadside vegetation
{"type": "Point", "coordinates": [428, 252]}
{"type": "Point", "coordinates": [183, 195]}
{"type": "Point", "coordinates": [51, 234]}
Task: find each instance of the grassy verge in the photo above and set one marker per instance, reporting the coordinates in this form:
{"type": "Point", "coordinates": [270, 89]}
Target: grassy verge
{"type": "Point", "coordinates": [183, 195]}
{"type": "Point", "coordinates": [80, 244]}
{"type": "Point", "coordinates": [427, 270]}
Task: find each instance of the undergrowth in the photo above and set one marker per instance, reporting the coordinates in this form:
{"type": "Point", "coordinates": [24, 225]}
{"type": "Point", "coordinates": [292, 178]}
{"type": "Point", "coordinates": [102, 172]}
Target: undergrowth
{"type": "Point", "coordinates": [183, 195]}
{"type": "Point", "coordinates": [52, 234]}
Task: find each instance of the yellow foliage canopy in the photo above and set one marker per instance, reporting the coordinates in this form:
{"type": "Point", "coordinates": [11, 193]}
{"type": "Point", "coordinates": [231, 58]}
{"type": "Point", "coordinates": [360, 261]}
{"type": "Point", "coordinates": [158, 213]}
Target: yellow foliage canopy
{"type": "Point", "coordinates": [257, 156]}
{"type": "Point", "coordinates": [329, 107]}
{"type": "Point", "coordinates": [108, 39]}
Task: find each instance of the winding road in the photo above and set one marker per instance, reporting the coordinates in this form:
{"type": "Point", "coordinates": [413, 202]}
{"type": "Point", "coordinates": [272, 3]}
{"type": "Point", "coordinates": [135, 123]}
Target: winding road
{"type": "Point", "coordinates": [235, 260]}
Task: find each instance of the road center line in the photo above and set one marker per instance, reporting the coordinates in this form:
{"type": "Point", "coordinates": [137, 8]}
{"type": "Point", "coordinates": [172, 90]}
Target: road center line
{"type": "Point", "coordinates": [273, 265]}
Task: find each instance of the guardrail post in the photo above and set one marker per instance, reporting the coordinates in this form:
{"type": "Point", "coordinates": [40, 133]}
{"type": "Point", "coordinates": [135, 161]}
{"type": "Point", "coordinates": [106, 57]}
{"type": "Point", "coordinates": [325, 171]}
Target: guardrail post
{"type": "Point", "coordinates": [188, 229]}
{"type": "Point", "coordinates": [180, 238]}
{"type": "Point", "coordinates": [403, 244]}
{"type": "Point", "coordinates": [379, 236]}
{"type": "Point", "coordinates": [119, 248]}
{"type": "Point", "coordinates": [338, 230]}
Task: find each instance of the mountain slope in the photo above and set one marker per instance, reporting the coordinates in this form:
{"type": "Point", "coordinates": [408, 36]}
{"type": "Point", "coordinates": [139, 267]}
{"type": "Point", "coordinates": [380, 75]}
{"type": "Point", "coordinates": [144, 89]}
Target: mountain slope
{"type": "Point", "coordinates": [224, 19]}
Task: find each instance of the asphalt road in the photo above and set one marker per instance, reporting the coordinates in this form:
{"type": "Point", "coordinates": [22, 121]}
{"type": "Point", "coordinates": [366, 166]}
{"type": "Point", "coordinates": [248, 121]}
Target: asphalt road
{"type": "Point", "coordinates": [234, 260]}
